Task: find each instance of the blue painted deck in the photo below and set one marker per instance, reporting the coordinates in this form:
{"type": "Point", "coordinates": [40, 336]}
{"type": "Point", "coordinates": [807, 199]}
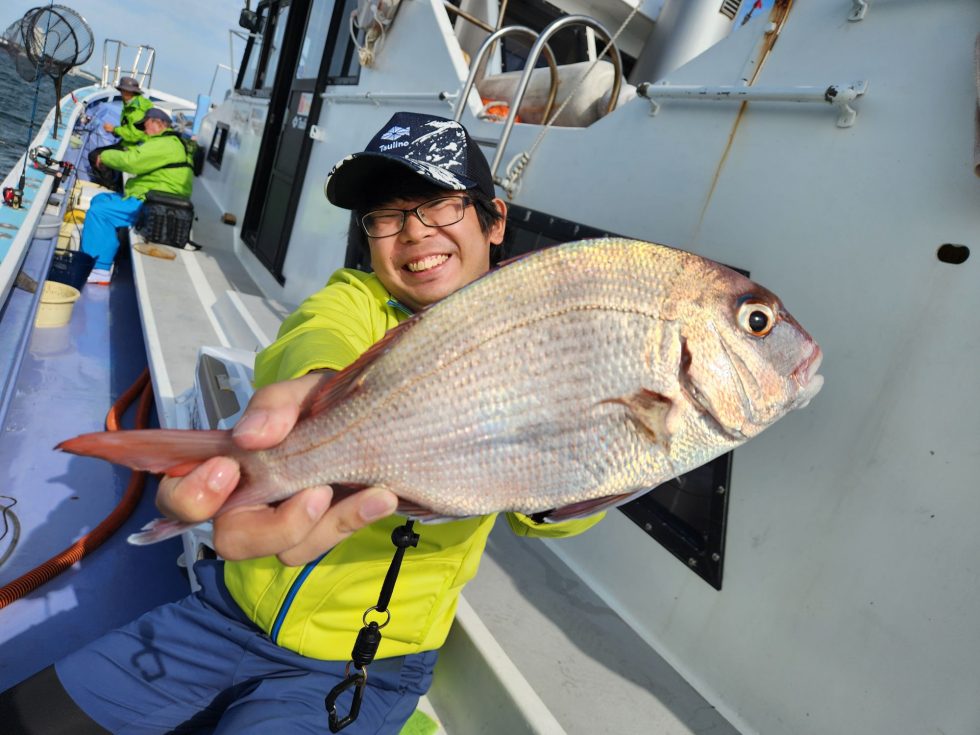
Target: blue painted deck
{"type": "Point", "coordinates": [67, 382]}
{"type": "Point", "coordinates": [13, 218]}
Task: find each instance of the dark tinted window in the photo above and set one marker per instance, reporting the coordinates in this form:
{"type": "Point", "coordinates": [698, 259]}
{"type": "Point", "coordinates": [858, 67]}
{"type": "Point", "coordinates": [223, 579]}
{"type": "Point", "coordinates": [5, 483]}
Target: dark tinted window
{"type": "Point", "coordinates": [216, 152]}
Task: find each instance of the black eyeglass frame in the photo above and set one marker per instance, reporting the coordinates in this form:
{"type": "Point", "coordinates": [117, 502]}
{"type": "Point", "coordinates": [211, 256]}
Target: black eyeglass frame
{"type": "Point", "coordinates": [467, 201]}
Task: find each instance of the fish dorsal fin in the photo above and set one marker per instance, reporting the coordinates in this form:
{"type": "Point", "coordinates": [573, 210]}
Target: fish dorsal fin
{"type": "Point", "coordinates": [346, 383]}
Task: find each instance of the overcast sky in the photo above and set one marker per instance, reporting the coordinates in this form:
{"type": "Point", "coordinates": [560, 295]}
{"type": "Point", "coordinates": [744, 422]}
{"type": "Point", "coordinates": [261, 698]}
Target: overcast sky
{"type": "Point", "coordinates": [190, 36]}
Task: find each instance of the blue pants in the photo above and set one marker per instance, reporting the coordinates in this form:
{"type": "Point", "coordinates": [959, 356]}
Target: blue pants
{"type": "Point", "coordinates": [106, 212]}
{"type": "Point", "coordinates": [200, 666]}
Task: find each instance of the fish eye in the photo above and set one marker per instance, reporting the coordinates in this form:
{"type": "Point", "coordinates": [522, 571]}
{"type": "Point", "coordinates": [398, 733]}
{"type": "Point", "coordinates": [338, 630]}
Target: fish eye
{"type": "Point", "coordinates": [756, 318]}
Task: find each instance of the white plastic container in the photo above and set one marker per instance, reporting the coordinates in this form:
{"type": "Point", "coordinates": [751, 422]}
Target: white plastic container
{"type": "Point", "coordinates": [57, 302]}
{"type": "Point", "coordinates": [47, 227]}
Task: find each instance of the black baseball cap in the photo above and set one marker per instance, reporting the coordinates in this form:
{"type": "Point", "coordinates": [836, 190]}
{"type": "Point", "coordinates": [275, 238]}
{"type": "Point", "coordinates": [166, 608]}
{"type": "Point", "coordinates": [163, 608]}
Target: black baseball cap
{"type": "Point", "coordinates": [154, 113]}
{"type": "Point", "coordinates": [437, 149]}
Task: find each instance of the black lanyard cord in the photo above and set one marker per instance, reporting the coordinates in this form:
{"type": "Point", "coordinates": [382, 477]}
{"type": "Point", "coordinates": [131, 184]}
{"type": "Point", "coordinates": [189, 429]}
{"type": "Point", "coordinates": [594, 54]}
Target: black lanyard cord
{"type": "Point", "coordinates": [369, 637]}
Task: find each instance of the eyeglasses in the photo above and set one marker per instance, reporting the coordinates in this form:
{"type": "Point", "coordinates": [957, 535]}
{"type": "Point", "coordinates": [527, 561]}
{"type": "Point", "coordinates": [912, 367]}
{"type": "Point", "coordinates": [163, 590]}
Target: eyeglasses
{"type": "Point", "coordinates": [434, 213]}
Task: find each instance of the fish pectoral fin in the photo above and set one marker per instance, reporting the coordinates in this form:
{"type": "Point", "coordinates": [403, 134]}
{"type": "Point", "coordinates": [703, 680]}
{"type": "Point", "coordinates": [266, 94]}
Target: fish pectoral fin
{"type": "Point", "coordinates": [586, 507]}
{"type": "Point", "coordinates": [652, 412]}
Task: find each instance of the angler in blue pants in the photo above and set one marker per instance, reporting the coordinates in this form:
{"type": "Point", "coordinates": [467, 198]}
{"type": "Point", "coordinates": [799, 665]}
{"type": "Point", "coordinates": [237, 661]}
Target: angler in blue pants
{"type": "Point", "coordinates": [160, 163]}
{"type": "Point", "coordinates": [107, 212]}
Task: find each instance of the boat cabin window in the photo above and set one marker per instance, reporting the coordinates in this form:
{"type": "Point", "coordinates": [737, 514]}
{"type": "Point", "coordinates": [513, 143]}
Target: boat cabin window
{"type": "Point", "coordinates": [253, 52]}
{"type": "Point", "coordinates": [344, 65]}
{"type": "Point", "coordinates": [258, 67]}
{"type": "Point", "coordinates": [216, 152]}
{"type": "Point", "coordinates": [274, 35]}
{"type": "Point", "coordinates": [315, 40]}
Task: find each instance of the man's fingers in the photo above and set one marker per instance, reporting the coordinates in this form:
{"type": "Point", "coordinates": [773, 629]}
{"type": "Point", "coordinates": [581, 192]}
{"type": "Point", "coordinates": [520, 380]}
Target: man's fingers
{"type": "Point", "coordinates": [262, 530]}
{"type": "Point", "coordinates": [344, 518]}
{"type": "Point", "coordinates": [198, 495]}
{"type": "Point", "coordinates": [273, 410]}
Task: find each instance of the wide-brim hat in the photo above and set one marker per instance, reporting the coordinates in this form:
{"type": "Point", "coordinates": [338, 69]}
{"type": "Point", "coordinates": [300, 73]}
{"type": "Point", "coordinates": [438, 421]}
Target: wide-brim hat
{"type": "Point", "coordinates": [129, 84]}
{"type": "Point", "coordinates": [435, 148]}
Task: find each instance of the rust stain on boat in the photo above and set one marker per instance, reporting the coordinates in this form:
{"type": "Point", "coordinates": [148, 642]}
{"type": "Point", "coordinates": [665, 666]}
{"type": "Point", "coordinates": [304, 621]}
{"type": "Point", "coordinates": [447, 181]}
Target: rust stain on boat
{"type": "Point", "coordinates": [778, 15]}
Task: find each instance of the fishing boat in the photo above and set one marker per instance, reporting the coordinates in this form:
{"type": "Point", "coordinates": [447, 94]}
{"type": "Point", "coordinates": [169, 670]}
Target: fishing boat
{"type": "Point", "coordinates": [821, 579]}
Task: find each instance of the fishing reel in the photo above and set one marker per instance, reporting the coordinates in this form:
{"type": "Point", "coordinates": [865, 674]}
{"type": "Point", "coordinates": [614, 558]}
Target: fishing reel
{"type": "Point", "coordinates": [13, 197]}
{"type": "Point", "coordinates": [43, 159]}
{"type": "Point", "coordinates": [41, 156]}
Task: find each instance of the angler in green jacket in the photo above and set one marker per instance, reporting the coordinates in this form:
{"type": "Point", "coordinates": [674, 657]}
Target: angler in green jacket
{"type": "Point", "coordinates": [269, 634]}
{"type": "Point", "coordinates": [161, 163]}
{"type": "Point", "coordinates": [135, 107]}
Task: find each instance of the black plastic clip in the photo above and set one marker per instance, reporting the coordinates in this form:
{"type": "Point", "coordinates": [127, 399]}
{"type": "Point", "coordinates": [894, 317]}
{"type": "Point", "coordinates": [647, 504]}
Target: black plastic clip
{"type": "Point", "coordinates": [369, 637]}
{"type": "Point", "coordinates": [365, 649]}
{"type": "Point", "coordinates": [357, 680]}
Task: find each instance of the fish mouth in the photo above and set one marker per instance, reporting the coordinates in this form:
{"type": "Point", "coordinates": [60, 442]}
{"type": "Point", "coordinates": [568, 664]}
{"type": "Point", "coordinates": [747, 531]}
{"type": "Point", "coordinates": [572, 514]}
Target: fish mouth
{"type": "Point", "coordinates": [807, 377]}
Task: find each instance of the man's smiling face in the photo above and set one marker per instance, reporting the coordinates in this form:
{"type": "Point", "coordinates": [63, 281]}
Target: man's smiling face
{"type": "Point", "coordinates": [421, 265]}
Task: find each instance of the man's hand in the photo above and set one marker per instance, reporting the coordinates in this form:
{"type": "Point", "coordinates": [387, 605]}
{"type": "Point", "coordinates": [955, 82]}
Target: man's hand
{"type": "Point", "coordinates": [297, 530]}
{"type": "Point", "coordinates": [98, 161]}
{"type": "Point", "coordinates": [108, 127]}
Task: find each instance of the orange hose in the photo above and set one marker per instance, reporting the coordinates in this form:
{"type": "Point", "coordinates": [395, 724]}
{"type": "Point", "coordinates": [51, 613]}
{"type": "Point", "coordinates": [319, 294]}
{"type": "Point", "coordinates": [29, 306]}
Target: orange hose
{"type": "Point", "coordinates": [88, 543]}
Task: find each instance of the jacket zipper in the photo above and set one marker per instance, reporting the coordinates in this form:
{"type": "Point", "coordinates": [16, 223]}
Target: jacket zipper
{"type": "Point", "coordinates": [401, 307]}
{"type": "Point", "coordinates": [291, 595]}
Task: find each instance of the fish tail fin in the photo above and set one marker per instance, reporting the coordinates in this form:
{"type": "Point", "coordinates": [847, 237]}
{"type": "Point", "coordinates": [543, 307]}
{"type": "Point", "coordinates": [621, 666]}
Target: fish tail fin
{"type": "Point", "coordinates": [158, 529]}
{"type": "Point", "coordinates": [172, 451]}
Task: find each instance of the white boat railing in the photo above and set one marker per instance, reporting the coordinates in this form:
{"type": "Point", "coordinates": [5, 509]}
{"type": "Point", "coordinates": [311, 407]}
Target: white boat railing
{"type": "Point", "coordinates": [839, 96]}
{"type": "Point", "coordinates": [112, 74]}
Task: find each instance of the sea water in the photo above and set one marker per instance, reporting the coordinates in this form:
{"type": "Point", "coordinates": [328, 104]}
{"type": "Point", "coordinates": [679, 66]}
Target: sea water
{"type": "Point", "coordinates": [17, 105]}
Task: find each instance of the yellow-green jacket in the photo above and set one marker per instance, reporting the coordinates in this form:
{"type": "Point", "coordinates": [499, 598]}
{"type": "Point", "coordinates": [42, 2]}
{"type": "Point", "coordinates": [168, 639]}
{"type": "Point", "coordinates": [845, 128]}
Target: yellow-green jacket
{"type": "Point", "coordinates": [316, 610]}
{"type": "Point", "coordinates": [132, 113]}
{"type": "Point", "coordinates": [160, 163]}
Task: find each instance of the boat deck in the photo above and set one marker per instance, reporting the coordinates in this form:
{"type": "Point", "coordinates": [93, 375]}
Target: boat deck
{"type": "Point", "coordinates": [69, 378]}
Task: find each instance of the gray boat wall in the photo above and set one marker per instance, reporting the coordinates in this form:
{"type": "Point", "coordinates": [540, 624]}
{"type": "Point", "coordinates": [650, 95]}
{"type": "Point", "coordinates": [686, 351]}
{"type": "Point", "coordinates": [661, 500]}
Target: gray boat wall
{"type": "Point", "coordinates": [852, 568]}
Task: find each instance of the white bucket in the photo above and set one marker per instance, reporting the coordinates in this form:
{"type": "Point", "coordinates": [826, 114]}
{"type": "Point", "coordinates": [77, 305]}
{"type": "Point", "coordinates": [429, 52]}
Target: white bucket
{"type": "Point", "coordinates": [57, 302]}
{"type": "Point", "coordinates": [47, 227]}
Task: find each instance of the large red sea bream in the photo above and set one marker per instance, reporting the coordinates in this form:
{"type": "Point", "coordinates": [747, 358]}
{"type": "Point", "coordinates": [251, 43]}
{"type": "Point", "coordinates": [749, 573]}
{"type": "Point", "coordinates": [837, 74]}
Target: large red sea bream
{"type": "Point", "coordinates": [564, 382]}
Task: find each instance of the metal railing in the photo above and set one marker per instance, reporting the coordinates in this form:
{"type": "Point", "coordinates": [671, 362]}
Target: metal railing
{"type": "Point", "coordinates": [532, 59]}
{"type": "Point", "coordinates": [111, 74]}
{"type": "Point", "coordinates": [839, 96]}
{"type": "Point", "coordinates": [484, 53]}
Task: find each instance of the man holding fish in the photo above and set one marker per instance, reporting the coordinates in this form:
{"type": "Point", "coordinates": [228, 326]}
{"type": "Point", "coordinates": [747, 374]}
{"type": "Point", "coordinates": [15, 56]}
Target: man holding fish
{"type": "Point", "coordinates": [430, 217]}
{"type": "Point", "coordinates": [561, 384]}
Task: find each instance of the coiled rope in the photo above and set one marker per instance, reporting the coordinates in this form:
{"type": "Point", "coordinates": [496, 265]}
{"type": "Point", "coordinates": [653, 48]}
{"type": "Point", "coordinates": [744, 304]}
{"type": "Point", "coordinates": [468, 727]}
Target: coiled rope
{"type": "Point", "coordinates": [27, 583]}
